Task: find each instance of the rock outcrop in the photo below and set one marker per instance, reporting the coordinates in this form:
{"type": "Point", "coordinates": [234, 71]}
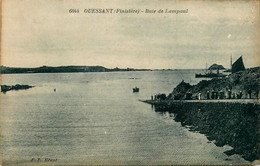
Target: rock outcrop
{"type": "Point", "coordinates": [216, 67]}
{"type": "Point", "coordinates": [5, 88]}
{"type": "Point", "coordinates": [243, 82]}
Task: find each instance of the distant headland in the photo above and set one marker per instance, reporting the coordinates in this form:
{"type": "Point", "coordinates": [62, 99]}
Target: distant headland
{"type": "Point", "coordinates": [62, 69]}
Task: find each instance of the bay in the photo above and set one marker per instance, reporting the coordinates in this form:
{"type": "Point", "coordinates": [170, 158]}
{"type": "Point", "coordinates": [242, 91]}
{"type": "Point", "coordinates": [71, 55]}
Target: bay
{"type": "Point", "coordinates": [95, 118]}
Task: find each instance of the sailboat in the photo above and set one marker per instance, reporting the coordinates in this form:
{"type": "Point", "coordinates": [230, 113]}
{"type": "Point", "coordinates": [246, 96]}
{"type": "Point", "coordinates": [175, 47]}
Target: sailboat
{"type": "Point", "coordinates": [238, 65]}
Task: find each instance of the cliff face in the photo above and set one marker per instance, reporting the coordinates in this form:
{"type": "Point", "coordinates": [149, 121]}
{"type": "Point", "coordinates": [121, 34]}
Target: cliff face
{"type": "Point", "coordinates": [233, 124]}
{"type": "Point", "coordinates": [244, 81]}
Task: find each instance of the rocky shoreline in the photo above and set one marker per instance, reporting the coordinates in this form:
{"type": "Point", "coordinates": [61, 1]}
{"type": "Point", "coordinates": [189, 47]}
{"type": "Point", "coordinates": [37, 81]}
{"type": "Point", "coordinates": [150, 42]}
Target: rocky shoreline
{"type": "Point", "coordinates": [233, 124]}
{"type": "Point", "coordinates": [5, 88]}
{"type": "Point", "coordinates": [242, 85]}
{"type": "Point", "coordinates": [216, 109]}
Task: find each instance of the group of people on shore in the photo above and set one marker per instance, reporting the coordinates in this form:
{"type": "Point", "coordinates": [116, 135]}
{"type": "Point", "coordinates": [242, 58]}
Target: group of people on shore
{"type": "Point", "coordinates": [221, 95]}
{"type": "Point", "coordinates": [159, 97]}
{"type": "Point", "coordinates": [210, 95]}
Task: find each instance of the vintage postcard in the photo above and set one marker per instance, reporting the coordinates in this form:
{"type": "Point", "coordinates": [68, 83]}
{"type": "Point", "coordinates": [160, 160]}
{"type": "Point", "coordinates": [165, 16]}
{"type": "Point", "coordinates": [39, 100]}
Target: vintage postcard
{"type": "Point", "coordinates": [130, 82]}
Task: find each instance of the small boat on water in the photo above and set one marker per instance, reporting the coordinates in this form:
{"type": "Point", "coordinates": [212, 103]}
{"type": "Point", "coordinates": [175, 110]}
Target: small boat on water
{"type": "Point", "coordinates": [135, 89]}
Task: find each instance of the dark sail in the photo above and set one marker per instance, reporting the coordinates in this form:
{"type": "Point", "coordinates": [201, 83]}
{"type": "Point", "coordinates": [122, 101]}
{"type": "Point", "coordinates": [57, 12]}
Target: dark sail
{"type": "Point", "coordinates": [238, 65]}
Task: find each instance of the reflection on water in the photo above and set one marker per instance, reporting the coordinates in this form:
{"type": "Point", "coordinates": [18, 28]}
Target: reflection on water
{"type": "Point", "coordinates": [231, 124]}
{"type": "Point", "coordinates": [95, 118]}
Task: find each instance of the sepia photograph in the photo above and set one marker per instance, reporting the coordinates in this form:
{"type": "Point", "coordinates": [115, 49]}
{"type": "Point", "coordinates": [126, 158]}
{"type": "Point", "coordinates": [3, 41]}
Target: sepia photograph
{"type": "Point", "coordinates": [129, 82]}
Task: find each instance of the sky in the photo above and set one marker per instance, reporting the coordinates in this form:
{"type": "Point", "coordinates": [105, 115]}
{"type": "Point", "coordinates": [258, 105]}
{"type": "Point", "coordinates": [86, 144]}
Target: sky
{"type": "Point", "coordinates": [43, 32]}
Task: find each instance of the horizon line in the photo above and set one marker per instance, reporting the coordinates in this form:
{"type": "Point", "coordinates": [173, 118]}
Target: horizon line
{"type": "Point", "coordinates": [106, 67]}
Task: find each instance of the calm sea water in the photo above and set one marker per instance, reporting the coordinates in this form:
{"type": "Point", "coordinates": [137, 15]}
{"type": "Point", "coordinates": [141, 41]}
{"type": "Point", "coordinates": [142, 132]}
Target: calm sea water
{"type": "Point", "coordinates": [95, 118]}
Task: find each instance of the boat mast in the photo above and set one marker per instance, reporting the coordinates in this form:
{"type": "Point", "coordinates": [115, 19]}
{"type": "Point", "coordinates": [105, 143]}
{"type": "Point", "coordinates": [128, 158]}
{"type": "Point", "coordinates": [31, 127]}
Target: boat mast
{"type": "Point", "coordinates": [231, 62]}
{"type": "Point", "coordinates": [206, 67]}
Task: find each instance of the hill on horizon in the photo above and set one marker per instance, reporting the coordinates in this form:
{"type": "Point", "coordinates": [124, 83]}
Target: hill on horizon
{"type": "Point", "coordinates": [216, 67]}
